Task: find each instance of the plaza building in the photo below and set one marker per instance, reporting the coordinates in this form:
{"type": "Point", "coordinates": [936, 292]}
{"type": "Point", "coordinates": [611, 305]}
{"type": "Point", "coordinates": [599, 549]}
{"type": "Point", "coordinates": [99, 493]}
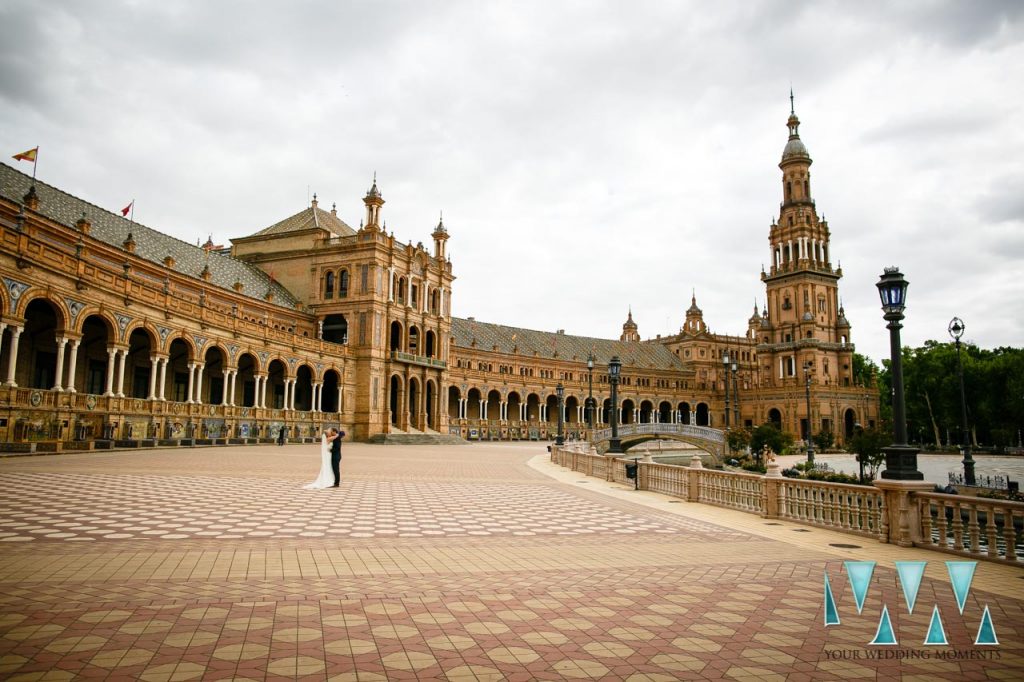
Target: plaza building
{"type": "Point", "coordinates": [114, 334]}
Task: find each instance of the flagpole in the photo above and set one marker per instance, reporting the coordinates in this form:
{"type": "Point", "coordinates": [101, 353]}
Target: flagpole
{"type": "Point", "coordinates": [131, 221]}
{"type": "Point", "coordinates": [35, 160]}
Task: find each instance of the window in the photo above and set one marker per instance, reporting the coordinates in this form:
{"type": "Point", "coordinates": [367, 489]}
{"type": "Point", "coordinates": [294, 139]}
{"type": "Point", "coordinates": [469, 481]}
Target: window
{"type": "Point", "coordinates": [364, 276]}
{"type": "Point", "coordinates": [343, 284]}
{"type": "Point", "coordinates": [329, 285]}
{"type": "Point", "coordinates": [414, 295]}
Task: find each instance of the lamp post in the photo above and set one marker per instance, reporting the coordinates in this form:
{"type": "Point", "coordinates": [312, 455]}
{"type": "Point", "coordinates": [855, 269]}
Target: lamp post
{"type": "Point", "coordinates": [560, 392]}
{"type": "Point", "coordinates": [725, 372]}
{"type": "Point", "coordinates": [614, 367]}
{"type": "Point", "coordinates": [807, 388]}
{"type": "Point", "coordinates": [956, 330]}
{"type": "Point", "coordinates": [735, 395]}
{"type": "Point", "coordinates": [857, 431]}
{"type": "Point", "coordinates": [590, 390]}
{"type": "Point", "coordinates": [900, 458]}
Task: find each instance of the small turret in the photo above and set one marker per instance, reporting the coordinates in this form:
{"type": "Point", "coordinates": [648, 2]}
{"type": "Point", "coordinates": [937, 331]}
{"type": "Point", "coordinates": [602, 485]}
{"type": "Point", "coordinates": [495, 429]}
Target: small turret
{"type": "Point", "coordinates": [374, 201]}
{"type": "Point", "coordinates": [629, 329]}
{"type": "Point", "coordinates": [440, 235]}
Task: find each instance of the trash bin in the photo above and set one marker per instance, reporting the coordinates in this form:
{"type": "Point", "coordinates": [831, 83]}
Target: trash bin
{"type": "Point", "coordinates": [631, 470]}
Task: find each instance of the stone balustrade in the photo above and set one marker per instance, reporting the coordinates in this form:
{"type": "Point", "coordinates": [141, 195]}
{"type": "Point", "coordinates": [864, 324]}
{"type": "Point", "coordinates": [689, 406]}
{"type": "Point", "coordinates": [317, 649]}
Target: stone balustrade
{"type": "Point", "coordinates": [970, 526]}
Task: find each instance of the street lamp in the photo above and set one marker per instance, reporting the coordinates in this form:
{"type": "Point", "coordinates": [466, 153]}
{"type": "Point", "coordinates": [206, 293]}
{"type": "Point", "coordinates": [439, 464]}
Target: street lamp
{"type": "Point", "coordinates": [590, 390]}
{"type": "Point", "coordinates": [725, 372]}
{"type": "Point", "coordinates": [857, 431]}
{"type": "Point", "coordinates": [614, 367]}
{"type": "Point", "coordinates": [900, 458]}
{"type": "Point", "coordinates": [735, 395]}
{"type": "Point", "coordinates": [560, 392]}
{"type": "Point", "coordinates": [956, 330]}
{"type": "Point", "coordinates": [807, 387]}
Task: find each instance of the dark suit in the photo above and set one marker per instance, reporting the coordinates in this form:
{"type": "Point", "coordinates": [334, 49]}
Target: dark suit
{"type": "Point", "coordinates": [336, 457]}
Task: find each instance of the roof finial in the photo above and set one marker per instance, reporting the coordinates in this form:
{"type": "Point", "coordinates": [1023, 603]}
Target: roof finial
{"type": "Point", "coordinates": [792, 111]}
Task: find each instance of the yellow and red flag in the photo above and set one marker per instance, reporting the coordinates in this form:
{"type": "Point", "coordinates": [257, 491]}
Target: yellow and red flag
{"type": "Point", "coordinates": [29, 155]}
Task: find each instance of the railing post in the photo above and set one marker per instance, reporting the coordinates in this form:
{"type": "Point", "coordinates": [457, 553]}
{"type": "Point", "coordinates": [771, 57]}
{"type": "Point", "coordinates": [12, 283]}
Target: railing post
{"type": "Point", "coordinates": [693, 482]}
{"type": "Point", "coordinates": [770, 491]}
{"type": "Point", "coordinates": [904, 522]}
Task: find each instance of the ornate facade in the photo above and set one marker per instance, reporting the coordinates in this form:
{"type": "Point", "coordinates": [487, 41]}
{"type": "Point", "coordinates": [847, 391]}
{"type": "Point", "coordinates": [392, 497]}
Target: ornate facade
{"type": "Point", "coordinates": [113, 333]}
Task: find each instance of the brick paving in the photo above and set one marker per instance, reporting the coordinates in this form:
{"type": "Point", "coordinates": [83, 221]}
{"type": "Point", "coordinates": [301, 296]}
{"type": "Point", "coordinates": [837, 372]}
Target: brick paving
{"type": "Point", "coordinates": [481, 562]}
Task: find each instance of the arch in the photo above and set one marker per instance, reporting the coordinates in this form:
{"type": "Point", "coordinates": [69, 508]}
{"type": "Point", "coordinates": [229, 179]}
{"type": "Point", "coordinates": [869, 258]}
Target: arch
{"type": "Point", "coordinates": [628, 411]}
{"type": "Point", "coordinates": [303, 388]}
{"type": "Point", "coordinates": [343, 283]}
{"type": "Point", "coordinates": [435, 301]}
{"type": "Point", "coordinates": [849, 423]}
{"type": "Point", "coordinates": [330, 396]}
{"type": "Point", "coordinates": [91, 363]}
{"type": "Point", "coordinates": [395, 398]}
{"type": "Point", "coordinates": [139, 369]}
{"type": "Point", "coordinates": [212, 388]}
{"type": "Point", "coordinates": [606, 411]}
{"type": "Point", "coordinates": [665, 412]}
{"type": "Point", "coordinates": [329, 285]}
{"type": "Point", "coordinates": [646, 412]}
{"type": "Point", "coordinates": [415, 396]}
{"type": "Point", "coordinates": [33, 296]}
{"type": "Point", "coordinates": [775, 417]}
{"type": "Point", "coordinates": [552, 409]}
{"type": "Point", "coordinates": [335, 329]}
{"type": "Point", "coordinates": [395, 338]}
{"type": "Point", "coordinates": [513, 409]}
{"type": "Point", "coordinates": [402, 283]}
{"type": "Point", "coordinates": [473, 404]}
{"type": "Point", "coordinates": [572, 404]}
{"type": "Point", "coordinates": [179, 354]}
{"type": "Point", "coordinates": [454, 396]}
{"type": "Point", "coordinates": [533, 408]}
{"type": "Point", "coordinates": [703, 415]}
{"type": "Point", "coordinates": [414, 340]}
{"type": "Point", "coordinates": [277, 372]}
{"type": "Point", "coordinates": [248, 366]}
{"type": "Point", "coordinates": [430, 400]}
{"type": "Point", "coordinates": [36, 363]}
{"type": "Point", "coordinates": [493, 405]}
{"type": "Point", "coordinates": [430, 345]}
{"type": "Point", "coordinates": [684, 412]}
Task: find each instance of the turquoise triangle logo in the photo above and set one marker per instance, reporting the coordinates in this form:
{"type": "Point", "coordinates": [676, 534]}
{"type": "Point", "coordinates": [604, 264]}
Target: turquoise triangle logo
{"type": "Point", "coordinates": [936, 634]}
{"type": "Point", "coordinates": [859, 573]}
{"type": "Point", "coordinates": [910, 573]}
{"type": "Point", "coordinates": [884, 636]}
{"type": "Point", "coordinates": [961, 573]}
{"type": "Point", "coordinates": [986, 631]}
{"type": "Point", "coordinates": [831, 612]}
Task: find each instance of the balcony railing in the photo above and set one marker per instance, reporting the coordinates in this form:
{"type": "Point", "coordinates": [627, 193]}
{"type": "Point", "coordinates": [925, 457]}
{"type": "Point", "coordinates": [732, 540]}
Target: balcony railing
{"type": "Point", "coordinates": [423, 360]}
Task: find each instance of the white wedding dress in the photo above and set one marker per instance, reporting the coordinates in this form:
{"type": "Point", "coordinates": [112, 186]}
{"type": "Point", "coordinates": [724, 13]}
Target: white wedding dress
{"type": "Point", "coordinates": [326, 477]}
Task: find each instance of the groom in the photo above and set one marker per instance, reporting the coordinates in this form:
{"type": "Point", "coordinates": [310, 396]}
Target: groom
{"type": "Point", "coordinates": [334, 438]}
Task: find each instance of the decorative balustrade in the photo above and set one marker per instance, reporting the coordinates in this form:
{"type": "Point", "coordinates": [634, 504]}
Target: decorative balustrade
{"type": "Point", "coordinates": [972, 525]}
{"type": "Point", "coordinates": [848, 508]}
{"type": "Point", "coordinates": [699, 432]}
{"type": "Point", "coordinates": [418, 359]}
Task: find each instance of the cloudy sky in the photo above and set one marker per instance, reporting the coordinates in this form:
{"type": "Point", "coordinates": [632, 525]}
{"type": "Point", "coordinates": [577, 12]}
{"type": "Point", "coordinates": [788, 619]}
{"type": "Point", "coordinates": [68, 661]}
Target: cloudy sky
{"type": "Point", "coordinates": [588, 156]}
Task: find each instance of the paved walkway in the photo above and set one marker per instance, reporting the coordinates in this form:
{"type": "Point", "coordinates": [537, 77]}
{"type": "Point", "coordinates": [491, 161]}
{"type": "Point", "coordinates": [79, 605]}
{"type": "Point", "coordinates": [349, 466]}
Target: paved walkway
{"type": "Point", "coordinates": [480, 562]}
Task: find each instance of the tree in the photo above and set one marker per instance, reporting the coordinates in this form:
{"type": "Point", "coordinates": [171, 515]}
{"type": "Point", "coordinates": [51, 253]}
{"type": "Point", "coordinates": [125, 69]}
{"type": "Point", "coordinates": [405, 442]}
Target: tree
{"type": "Point", "coordinates": [868, 444]}
{"type": "Point", "coordinates": [864, 370]}
{"type": "Point", "coordinates": [768, 434]}
{"type": "Point", "coordinates": [738, 439]}
{"type": "Point", "coordinates": [823, 440]}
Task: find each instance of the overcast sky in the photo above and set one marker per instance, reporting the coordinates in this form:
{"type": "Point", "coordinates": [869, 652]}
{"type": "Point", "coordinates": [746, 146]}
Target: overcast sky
{"type": "Point", "coordinates": [588, 156]}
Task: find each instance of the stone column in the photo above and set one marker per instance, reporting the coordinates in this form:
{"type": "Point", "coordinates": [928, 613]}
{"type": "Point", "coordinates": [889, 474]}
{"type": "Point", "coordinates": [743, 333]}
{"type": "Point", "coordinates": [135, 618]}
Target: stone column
{"type": "Point", "coordinates": [111, 359]}
{"type": "Point", "coordinates": [191, 382]}
{"type": "Point", "coordinates": [13, 362]}
{"type": "Point", "coordinates": [199, 383]}
{"type": "Point", "coordinates": [163, 378]}
{"type": "Point", "coordinates": [59, 374]}
{"type": "Point", "coordinates": [120, 373]}
{"type": "Point", "coordinates": [72, 364]}
{"type": "Point", "coordinates": [154, 362]}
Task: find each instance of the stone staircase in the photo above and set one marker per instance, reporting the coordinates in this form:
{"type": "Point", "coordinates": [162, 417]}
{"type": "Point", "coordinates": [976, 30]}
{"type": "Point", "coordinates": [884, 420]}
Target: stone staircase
{"type": "Point", "coordinates": [415, 437]}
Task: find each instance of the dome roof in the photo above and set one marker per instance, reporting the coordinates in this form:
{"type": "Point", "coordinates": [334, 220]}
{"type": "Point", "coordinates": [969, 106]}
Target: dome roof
{"type": "Point", "coordinates": [795, 148]}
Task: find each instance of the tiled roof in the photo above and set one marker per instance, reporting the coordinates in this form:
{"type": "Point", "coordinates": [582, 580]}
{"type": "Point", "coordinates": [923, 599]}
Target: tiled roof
{"type": "Point", "coordinates": [310, 218]}
{"type": "Point", "coordinates": [488, 335]}
{"type": "Point", "coordinates": [154, 246]}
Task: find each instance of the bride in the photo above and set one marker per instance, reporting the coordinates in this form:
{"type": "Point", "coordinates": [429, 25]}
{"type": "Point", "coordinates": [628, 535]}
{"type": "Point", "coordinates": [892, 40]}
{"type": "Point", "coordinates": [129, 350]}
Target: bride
{"type": "Point", "coordinates": [326, 477]}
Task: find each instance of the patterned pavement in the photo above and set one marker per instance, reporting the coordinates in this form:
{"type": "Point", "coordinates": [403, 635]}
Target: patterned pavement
{"type": "Point", "coordinates": [479, 562]}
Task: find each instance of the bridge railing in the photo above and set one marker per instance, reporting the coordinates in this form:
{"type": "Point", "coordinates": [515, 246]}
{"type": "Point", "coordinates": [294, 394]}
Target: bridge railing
{"type": "Point", "coordinates": [699, 432]}
{"type": "Point", "coordinates": [968, 526]}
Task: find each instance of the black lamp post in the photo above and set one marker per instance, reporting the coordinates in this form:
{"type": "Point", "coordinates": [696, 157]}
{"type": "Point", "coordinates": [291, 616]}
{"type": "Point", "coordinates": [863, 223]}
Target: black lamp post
{"type": "Point", "coordinates": [956, 330]}
{"type": "Point", "coordinates": [590, 390]}
{"type": "Point", "coordinates": [735, 395]}
{"type": "Point", "coordinates": [725, 372]}
{"type": "Point", "coordinates": [900, 458]}
{"type": "Point", "coordinates": [858, 430]}
{"type": "Point", "coordinates": [807, 388]}
{"type": "Point", "coordinates": [560, 392]}
{"type": "Point", "coordinates": [614, 367]}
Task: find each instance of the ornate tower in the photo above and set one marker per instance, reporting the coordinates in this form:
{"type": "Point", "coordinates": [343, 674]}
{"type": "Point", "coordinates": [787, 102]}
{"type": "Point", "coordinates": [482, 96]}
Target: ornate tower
{"type": "Point", "coordinates": [374, 201]}
{"type": "Point", "coordinates": [804, 323]}
{"type": "Point", "coordinates": [629, 330]}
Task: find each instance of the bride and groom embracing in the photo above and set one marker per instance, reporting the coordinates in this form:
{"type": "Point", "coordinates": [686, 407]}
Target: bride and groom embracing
{"type": "Point", "coordinates": [330, 460]}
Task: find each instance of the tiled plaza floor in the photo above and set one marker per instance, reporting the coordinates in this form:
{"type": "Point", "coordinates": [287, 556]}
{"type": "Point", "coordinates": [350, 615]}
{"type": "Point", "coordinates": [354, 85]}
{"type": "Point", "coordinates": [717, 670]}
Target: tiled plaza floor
{"type": "Point", "coordinates": [479, 562]}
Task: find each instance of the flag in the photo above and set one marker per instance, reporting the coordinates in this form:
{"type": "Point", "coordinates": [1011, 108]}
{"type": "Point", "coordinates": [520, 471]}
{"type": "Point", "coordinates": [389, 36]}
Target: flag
{"type": "Point", "coordinates": [124, 211]}
{"type": "Point", "coordinates": [29, 155]}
